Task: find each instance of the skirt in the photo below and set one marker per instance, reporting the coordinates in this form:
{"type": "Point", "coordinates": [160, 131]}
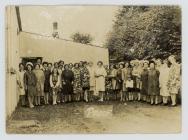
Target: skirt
{"type": "Point", "coordinates": [67, 88]}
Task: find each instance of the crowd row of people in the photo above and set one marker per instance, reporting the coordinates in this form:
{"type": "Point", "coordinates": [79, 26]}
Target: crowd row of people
{"type": "Point", "coordinates": [140, 80]}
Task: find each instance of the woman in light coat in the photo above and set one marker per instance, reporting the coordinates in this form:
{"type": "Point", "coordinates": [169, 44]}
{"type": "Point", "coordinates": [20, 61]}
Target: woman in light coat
{"type": "Point", "coordinates": [20, 83]}
{"type": "Point", "coordinates": [100, 74]}
{"type": "Point", "coordinates": [163, 80]}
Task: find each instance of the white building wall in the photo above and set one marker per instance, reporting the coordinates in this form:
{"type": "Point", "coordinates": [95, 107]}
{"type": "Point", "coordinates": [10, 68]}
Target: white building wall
{"type": "Point", "coordinates": [12, 59]}
{"type": "Point", "coordinates": [53, 50]}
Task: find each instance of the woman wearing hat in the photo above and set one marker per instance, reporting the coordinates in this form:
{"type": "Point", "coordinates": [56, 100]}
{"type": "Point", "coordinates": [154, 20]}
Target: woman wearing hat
{"type": "Point", "coordinates": [126, 72]}
{"type": "Point", "coordinates": [163, 80]}
{"type": "Point", "coordinates": [144, 81]}
{"type": "Point", "coordinates": [30, 82]}
{"type": "Point", "coordinates": [100, 74]}
{"type": "Point", "coordinates": [40, 84]}
{"type": "Point", "coordinates": [136, 78]}
{"type": "Point", "coordinates": [153, 83]}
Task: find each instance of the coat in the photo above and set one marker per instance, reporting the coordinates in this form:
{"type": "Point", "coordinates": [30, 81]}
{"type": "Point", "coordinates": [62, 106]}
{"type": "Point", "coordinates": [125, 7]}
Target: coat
{"type": "Point", "coordinates": [47, 74]}
{"type": "Point", "coordinates": [67, 79]}
{"type": "Point", "coordinates": [163, 80]}
{"type": "Point", "coordinates": [153, 82]}
{"type": "Point", "coordinates": [20, 82]}
{"type": "Point", "coordinates": [30, 82]}
{"type": "Point", "coordinates": [40, 82]}
{"type": "Point", "coordinates": [144, 81]}
{"type": "Point", "coordinates": [100, 74]}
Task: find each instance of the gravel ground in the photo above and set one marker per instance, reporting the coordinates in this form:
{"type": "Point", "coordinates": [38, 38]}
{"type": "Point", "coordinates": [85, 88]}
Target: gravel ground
{"type": "Point", "coordinates": [135, 117]}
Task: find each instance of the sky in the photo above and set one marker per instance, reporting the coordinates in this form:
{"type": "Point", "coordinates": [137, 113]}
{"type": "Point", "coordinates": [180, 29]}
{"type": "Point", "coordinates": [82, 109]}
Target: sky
{"type": "Point", "coordinates": [94, 20]}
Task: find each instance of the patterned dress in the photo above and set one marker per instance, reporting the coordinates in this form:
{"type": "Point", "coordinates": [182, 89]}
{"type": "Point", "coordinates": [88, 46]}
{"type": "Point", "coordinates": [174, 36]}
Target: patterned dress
{"type": "Point", "coordinates": [108, 81]}
{"type": "Point", "coordinates": [54, 83]}
{"type": "Point", "coordinates": [77, 81]}
{"type": "Point", "coordinates": [174, 79]}
{"type": "Point", "coordinates": [85, 78]}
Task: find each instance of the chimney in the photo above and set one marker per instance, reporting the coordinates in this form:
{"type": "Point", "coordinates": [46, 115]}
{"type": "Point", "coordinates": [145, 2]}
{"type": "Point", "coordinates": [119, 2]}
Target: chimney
{"type": "Point", "coordinates": [55, 30]}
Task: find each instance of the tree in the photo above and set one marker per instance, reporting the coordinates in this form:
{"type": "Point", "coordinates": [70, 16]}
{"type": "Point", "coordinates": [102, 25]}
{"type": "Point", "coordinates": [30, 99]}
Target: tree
{"type": "Point", "coordinates": [82, 38]}
{"type": "Point", "coordinates": [144, 32]}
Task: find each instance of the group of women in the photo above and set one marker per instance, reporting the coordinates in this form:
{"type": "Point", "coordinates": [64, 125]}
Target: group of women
{"type": "Point", "coordinates": [146, 81]}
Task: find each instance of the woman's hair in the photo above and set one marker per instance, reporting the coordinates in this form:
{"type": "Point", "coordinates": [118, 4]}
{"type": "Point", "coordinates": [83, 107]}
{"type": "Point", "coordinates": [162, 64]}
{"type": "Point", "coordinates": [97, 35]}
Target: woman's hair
{"type": "Point", "coordinates": [76, 64]}
{"type": "Point", "coordinates": [121, 64]}
{"type": "Point", "coordinates": [37, 64]}
{"type": "Point", "coordinates": [99, 62]}
{"type": "Point", "coordinates": [111, 65]}
{"type": "Point", "coordinates": [66, 65]}
{"type": "Point", "coordinates": [55, 63]}
{"type": "Point", "coordinates": [60, 62]}
{"type": "Point", "coordinates": [151, 62]}
{"type": "Point", "coordinates": [45, 63]}
{"type": "Point", "coordinates": [21, 64]}
{"type": "Point", "coordinates": [53, 71]}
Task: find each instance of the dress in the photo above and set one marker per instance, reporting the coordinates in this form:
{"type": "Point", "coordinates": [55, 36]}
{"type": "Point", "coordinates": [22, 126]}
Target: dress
{"type": "Point", "coordinates": [30, 82]}
{"type": "Point", "coordinates": [67, 79]}
{"type": "Point", "coordinates": [92, 78]}
{"type": "Point", "coordinates": [54, 83]}
{"type": "Point", "coordinates": [129, 84]}
{"type": "Point", "coordinates": [47, 73]}
{"type": "Point", "coordinates": [20, 82]}
{"type": "Point", "coordinates": [136, 72]}
{"type": "Point", "coordinates": [174, 79]}
{"type": "Point", "coordinates": [153, 82]}
{"type": "Point", "coordinates": [100, 74]}
{"type": "Point", "coordinates": [113, 74]}
{"type": "Point", "coordinates": [85, 78]}
{"type": "Point", "coordinates": [163, 80]}
{"type": "Point", "coordinates": [144, 80]}
{"type": "Point", "coordinates": [77, 81]}
{"type": "Point", "coordinates": [40, 82]}
{"type": "Point", "coordinates": [126, 72]}
{"type": "Point", "coordinates": [119, 82]}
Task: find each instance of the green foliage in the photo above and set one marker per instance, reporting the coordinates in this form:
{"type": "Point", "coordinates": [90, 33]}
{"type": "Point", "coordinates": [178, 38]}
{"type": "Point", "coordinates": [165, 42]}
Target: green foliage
{"type": "Point", "coordinates": [144, 32]}
{"type": "Point", "coordinates": [82, 38]}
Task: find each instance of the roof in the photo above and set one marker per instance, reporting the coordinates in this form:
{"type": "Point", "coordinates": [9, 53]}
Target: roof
{"type": "Point", "coordinates": [63, 39]}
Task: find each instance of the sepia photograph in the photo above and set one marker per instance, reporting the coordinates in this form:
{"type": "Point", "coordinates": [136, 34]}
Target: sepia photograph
{"type": "Point", "coordinates": [93, 69]}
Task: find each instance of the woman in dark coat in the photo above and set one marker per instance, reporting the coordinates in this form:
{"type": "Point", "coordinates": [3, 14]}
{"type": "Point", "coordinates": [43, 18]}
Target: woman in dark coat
{"type": "Point", "coordinates": [67, 83]}
{"type": "Point", "coordinates": [153, 84]}
{"type": "Point", "coordinates": [144, 81]}
{"type": "Point", "coordinates": [47, 73]}
{"type": "Point", "coordinates": [30, 82]}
